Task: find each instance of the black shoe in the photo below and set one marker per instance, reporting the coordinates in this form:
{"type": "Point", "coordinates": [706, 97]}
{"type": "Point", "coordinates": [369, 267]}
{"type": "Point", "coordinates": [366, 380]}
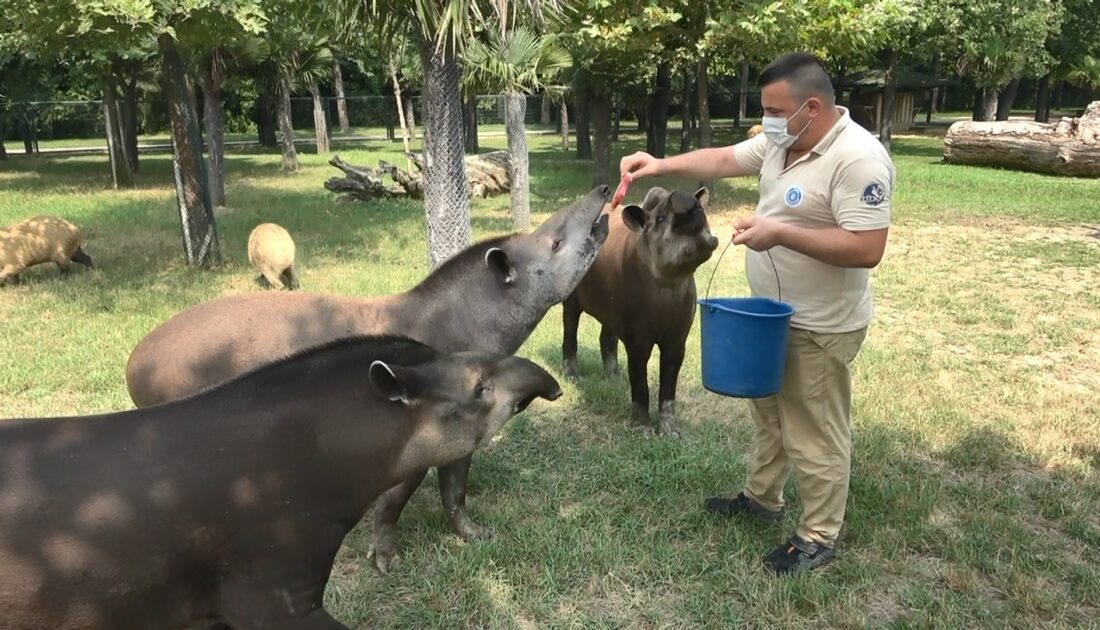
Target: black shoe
{"type": "Point", "coordinates": [798, 556]}
{"type": "Point", "coordinates": [742, 505]}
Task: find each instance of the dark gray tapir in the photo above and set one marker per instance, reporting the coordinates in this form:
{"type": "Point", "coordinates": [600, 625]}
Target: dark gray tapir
{"type": "Point", "coordinates": [641, 288]}
{"type": "Point", "coordinates": [488, 297]}
{"type": "Point", "coordinates": [229, 506]}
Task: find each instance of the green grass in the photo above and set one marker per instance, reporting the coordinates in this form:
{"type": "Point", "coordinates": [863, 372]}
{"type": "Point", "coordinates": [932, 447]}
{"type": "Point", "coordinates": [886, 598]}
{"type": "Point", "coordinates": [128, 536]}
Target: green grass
{"type": "Point", "coordinates": [975, 486]}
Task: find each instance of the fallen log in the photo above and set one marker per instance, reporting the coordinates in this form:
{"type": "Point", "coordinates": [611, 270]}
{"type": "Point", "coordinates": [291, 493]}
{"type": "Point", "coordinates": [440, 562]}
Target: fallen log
{"type": "Point", "coordinates": [487, 174]}
{"type": "Point", "coordinates": [1070, 146]}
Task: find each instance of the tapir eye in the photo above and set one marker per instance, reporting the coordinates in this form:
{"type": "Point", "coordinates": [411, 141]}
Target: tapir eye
{"type": "Point", "coordinates": [556, 246]}
{"type": "Point", "coordinates": [660, 219]}
{"type": "Point", "coordinates": [480, 390]}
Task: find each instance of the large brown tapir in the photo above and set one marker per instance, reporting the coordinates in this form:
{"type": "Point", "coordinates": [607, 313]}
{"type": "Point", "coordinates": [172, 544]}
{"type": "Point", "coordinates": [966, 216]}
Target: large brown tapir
{"type": "Point", "coordinates": [641, 288]}
{"type": "Point", "coordinates": [228, 507]}
{"type": "Point", "coordinates": [488, 297]}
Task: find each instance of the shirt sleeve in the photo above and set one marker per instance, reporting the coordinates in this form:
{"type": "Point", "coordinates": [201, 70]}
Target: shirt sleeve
{"type": "Point", "coordinates": [750, 154]}
{"type": "Point", "coordinates": [862, 194]}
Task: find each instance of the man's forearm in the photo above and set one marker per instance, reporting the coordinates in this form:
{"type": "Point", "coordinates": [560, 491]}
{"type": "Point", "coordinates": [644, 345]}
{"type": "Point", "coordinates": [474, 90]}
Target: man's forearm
{"type": "Point", "coordinates": [835, 246]}
{"type": "Point", "coordinates": [702, 164]}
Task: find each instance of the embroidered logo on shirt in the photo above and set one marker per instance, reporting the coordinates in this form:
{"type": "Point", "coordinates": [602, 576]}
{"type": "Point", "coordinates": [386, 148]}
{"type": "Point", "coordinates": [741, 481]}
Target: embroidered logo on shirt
{"type": "Point", "coordinates": [793, 196]}
{"type": "Point", "coordinates": [873, 194]}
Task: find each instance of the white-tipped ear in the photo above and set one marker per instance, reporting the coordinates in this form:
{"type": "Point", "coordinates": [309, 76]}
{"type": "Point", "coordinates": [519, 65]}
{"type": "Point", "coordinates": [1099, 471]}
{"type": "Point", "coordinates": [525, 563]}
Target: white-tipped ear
{"type": "Point", "coordinates": [703, 196]}
{"type": "Point", "coordinates": [386, 383]}
{"type": "Point", "coordinates": [497, 260]}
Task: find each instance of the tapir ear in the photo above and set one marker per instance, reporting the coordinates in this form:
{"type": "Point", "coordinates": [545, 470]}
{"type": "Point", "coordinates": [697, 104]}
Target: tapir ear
{"type": "Point", "coordinates": [634, 217]}
{"type": "Point", "coordinates": [498, 261]}
{"type": "Point", "coordinates": [702, 196]}
{"type": "Point", "coordinates": [393, 384]}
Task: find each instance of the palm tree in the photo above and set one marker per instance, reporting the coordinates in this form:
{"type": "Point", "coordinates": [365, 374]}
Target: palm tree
{"type": "Point", "coordinates": [515, 62]}
{"type": "Point", "coordinates": [211, 67]}
{"type": "Point", "coordinates": [1086, 74]}
{"type": "Point", "coordinates": [442, 27]}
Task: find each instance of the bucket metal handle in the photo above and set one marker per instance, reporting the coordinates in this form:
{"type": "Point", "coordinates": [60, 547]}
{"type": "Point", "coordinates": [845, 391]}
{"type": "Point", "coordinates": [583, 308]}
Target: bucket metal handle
{"type": "Point", "coordinates": [774, 270]}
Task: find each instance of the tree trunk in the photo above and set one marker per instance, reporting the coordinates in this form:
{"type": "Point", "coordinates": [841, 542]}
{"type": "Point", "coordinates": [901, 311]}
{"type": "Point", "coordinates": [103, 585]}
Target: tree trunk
{"type": "Point", "coordinates": [544, 115]}
{"type": "Point", "coordinates": [200, 234]}
{"type": "Point", "coordinates": [977, 109]}
{"type": "Point", "coordinates": [286, 127]}
{"type": "Point", "coordinates": [265, 116]}
{"type": "Point", "coordinates": [889, 98]}
{"type": "Point", "coordinates": [989, 104]}
{"type": "Point", "coordinates": [743, 95]}
{"type": "Point", "coordinates": [657, 134]}
{"type": "Point", "coordinates": [410, 117]}
{"type": "Point", "coordinates": [3, 135]}
{"type": "Point", "coordinates": [931, 108]}
{"type": "Point", "coordinates": [515, 110]}
{"type": "Point", "coordinates": [446, 189]}
{"type": "Point", "coordinates": [341, 101]}
{"type": "Point", "coordinates": [600, 110]}
{"type": "Point", "coordinates": [469, 114]}
{"type": "Point", "coordinates": [582, 96]}
{"type": "Point", "coordinates": [1008, 97]}
{"type": "Point", "coordinates": [320, 122]}
{"type": "Point", "coordinates": [1059, 91]}
{"type": "Point", "coordinates": [130, 122]}
{"type": "Point", "coordinates": [703, 90]}
{"type": "Point", "coordinates": [1067, 147]}
{"type": "Point", "coordinates": [685, 111]}
{"type": "Point", "coordinates": [214, 120]}
{"type": "Point", "coordinates": [617, 118]}
{"type": "Point", "coordinates": [1042, 100]}
{"type": "Point", "coordinates": [400, 110]}
{"type": "Point", "coordinates": [30, 134]}
{"type": "Point", "coordinates": [121, 174]}
{"type": "Point", "coordinates": [564, 125]}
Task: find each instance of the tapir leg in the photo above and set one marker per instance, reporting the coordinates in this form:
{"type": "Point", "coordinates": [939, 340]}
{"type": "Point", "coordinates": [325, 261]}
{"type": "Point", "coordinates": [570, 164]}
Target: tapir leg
{"type": "Point", "coordinates": [571, 318]}
{"type": "Point", "coordinates": [609, 350]}
{"type": "Point", "coordinates": [672, 357]}
{"type": "Point", "coordinates": [637, 360]}
{"type": "Point", "coordinates": [452, 489]}
{"type": "Point", "coordinates": [387, 509]}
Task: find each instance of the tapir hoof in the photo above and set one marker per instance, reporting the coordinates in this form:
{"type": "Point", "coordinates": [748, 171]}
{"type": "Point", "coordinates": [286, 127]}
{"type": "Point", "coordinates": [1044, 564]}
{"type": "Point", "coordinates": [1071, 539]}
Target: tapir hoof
{"type": "Point", "coordinates": [472, 532]}
{"type": "Point", "coordinates": [611, 368]}
{"type": "Point", "coordinates": [383, 553]}
{"type": "Point", "coordinates": [667, 421]}
{"type": "Point", "coordinates": [569, 368]}
{"type": "Point", "coordinates": [639, 418]}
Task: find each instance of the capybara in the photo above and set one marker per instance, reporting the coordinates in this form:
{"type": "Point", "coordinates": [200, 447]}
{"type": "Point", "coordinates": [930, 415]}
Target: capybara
{"type": "Point", "coordinates": [488, 297]}
{"type": "Point", "coordinates": [271, 252]}
{"type": "Point", "coordinates": [228, 507]}
{"type": "Point", "coordinates": [38, 240]}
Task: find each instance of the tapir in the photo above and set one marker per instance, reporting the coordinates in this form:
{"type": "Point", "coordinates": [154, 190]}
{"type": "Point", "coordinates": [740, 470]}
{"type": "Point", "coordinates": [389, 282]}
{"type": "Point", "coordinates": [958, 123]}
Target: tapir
{"type": "Point", "coordinates": [641, 288]}
{"type": "Point", "coordinates": [488, 297]}
{"type": "Point", "coordinates": [228, 507]}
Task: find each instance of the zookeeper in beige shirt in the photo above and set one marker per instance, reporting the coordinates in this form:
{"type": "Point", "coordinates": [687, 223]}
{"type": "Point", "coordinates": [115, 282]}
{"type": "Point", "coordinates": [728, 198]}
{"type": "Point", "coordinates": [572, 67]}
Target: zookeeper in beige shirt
{"type": "Point", "coordinates": [823, 215]}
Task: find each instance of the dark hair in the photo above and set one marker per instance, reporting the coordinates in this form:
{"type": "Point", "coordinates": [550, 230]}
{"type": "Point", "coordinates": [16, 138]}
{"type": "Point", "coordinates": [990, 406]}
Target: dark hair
{"type": "Point", "coordinates": [804, 73]}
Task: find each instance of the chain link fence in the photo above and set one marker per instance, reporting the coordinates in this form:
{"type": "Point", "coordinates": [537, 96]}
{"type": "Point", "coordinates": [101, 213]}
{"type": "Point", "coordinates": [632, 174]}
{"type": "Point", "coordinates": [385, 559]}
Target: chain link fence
{"type": "Point", "coordinates": [43, 126]}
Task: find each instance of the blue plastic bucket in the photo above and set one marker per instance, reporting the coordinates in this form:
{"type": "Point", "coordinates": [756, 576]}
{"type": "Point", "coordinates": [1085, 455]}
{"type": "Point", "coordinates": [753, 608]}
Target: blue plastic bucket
{"type": "Point", "coordinates": [744, 345]}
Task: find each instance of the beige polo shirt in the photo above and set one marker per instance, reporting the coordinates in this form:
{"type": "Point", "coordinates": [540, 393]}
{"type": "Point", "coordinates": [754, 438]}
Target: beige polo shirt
{"type": "Point", "coordinates": [846, 181]}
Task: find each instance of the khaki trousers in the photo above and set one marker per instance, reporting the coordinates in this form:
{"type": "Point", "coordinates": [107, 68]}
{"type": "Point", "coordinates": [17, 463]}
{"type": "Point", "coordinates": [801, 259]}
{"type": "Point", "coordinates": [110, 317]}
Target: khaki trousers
{"type": "Point", "coordinates": [808, 425]}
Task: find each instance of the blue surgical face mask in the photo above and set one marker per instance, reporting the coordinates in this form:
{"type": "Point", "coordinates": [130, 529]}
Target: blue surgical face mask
{"type": "Point", "coordinates": [775, 128]}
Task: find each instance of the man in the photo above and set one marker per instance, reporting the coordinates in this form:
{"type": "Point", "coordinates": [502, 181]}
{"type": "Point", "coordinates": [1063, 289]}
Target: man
{"type": "Point", "coordinates": [823, 216]}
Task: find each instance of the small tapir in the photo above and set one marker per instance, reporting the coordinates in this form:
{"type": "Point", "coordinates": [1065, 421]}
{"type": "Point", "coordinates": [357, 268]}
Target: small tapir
{"type": "Point", "coordinates": [488, 297]}
{"type": "Point", "coordinates": [229, 506]}
{"type": "Point", "coordinates": [641, 288]}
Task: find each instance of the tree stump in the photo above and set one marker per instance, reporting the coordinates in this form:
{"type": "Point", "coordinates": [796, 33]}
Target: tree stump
{"type": "Point", "coordinates": [487, 174]}
{"type": "Point", "coordinates": [1070, 146]}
